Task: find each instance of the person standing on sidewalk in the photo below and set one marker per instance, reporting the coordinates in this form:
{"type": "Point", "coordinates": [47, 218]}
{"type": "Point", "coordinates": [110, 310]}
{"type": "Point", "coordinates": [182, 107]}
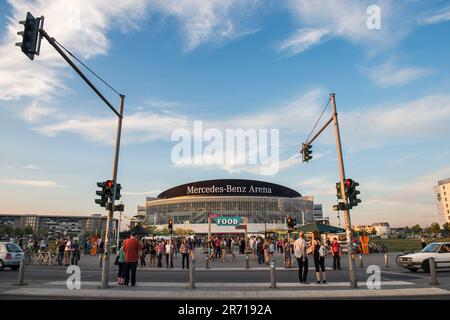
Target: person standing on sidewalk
{"type": "Point", "coordinates": [132, 249]}
{"type": "Point", "coordinates": [184, 250]}
{"type": "Point", "coordinates": [169, 254]}
{"type": "Point", "coordinates": [160, 252]}
{"type": "Point", "coordinates": [67, 252]}
{"type": "Point", "coordinates": [121, 265]}
{"type": "Point", "coordinates": [302, 259]}
{"type": "Point", "coordinates": [336, 252]}
{"type": "Point", "coordinates": [319, 257]}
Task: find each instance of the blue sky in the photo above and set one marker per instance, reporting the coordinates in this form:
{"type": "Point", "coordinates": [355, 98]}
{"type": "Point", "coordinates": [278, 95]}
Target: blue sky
{"type": "Point", "coordinates": [231, 64]}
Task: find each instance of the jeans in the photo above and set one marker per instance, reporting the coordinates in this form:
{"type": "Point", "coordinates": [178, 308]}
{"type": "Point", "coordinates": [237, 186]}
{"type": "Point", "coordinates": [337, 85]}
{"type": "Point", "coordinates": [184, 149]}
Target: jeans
{"type": "Point", "coordinates": [130, 267]}
{"type": "Point", "coordinates": [185, 256]}
{"type": "Point", "coordinates": [167, 260]}
{"type": "Point", "coordinates": [260, 258]}
{"type": "Point", "coordinates": [336, 261]}
{"type": "Point", "coordinates": [302, 269]}
{"type": "Point", "coordinates": [160, 260]}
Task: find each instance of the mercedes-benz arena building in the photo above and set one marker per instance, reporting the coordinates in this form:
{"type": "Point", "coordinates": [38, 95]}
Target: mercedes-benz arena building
{"type": "Point", "coordinates": [266, 205]}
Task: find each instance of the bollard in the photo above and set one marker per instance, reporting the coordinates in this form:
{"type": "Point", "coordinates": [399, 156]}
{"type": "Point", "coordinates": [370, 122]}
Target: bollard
{"type": "Point", "coordinates": [361, 261]}
{"type": "Point", "coordinates": [22, 273]}
{"type": "Point", "coordinates": [432, 264]}
{"type": "Point", "coordinates": [273, 284]}
{"type": "Point", "coordinates": [207, 262]}
{"type": "Point", "coordinates": [386, 260]}
{"type": "Point", "coordinates": [247, 262]}
{"type": "Point", "coordinates": [191, 275]}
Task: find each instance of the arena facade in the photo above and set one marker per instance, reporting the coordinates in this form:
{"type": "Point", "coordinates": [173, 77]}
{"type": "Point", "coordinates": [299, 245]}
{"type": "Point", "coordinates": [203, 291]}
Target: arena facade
{"type": "Point", "coordinates": [265, 204]}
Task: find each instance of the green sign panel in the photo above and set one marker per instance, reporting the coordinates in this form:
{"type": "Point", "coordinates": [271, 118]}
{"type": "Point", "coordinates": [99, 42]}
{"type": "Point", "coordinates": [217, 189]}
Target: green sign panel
{"type": "Point", "coordinates": [228, 221]}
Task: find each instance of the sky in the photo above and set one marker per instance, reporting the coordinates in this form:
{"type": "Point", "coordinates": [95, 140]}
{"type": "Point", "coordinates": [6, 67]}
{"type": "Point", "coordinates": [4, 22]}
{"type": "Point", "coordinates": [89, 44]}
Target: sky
{"type": "Point", "coordinates": [251, 64]}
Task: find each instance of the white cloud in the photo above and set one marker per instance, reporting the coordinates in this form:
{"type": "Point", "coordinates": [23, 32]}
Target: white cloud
{"type": "Point", "coordinates": [320, 20]}
{"type": "Point", "coordinates": [32, 167]}
{"type": "Point", "coordinates": [36, 112]}
{"type": "Point", "coordinates": [32, 183]}
{"type": "Point", "coordinates": [439, 17]}
{"type": "Point", "coordinates": [388, 75]}
{"type": "Point", "coordinates": [302, 40]}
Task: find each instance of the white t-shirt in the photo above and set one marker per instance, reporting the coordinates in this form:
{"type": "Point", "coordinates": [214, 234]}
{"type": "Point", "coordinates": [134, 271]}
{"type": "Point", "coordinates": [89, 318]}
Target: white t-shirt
{"type": "Point", "coordinates": [68, 246]}
{"type": "Point", "coordinates": [299, 248]}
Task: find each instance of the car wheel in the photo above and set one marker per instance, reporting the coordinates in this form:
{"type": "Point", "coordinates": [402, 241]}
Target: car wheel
{"type": "Point", "coordinates": [426, 266]}
{"type": "Point", "coordinates": [2, 266]}
{"type": "Point", "coordinates": [14, 267]}
{"type": "Point", "coordinates": [412, 269]}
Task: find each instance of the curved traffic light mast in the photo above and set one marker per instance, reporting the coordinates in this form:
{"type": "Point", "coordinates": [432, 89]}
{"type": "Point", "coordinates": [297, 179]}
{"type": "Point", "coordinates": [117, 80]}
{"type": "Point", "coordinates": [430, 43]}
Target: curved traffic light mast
{"type": "Point", "coordinates": [31, 42]}
{"type": "Point", "coordinates": [346, 188]}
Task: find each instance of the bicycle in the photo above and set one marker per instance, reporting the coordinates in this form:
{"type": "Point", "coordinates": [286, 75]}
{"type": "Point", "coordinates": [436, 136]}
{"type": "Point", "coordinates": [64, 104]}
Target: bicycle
{"type": "Point", "coordinates": [28, 258]}
{"type": "Point", "coordinates": [47, 258]}
{"type": "Point", "coordinates": [404, 252]}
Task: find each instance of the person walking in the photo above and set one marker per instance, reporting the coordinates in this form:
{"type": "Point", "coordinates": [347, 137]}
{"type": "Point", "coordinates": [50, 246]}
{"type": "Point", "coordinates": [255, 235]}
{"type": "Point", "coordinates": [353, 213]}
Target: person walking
{"type": "Point", "coordinates": [132, 249]}
{"type": "Point", "coordinates": [336, 252]}
{"type": "Point", "coordinates": [302, 258]}
{"type": "Point", "coordinates": [319, 257]}
{"type": "Point", "coordinates": [184, 250]}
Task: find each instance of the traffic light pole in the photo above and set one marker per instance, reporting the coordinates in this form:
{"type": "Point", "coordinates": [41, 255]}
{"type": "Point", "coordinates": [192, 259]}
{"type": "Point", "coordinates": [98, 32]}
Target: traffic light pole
{"type": "Point", "coordinates": [348, 226]}
{"type": "Point", "coordinates": [110, 219]}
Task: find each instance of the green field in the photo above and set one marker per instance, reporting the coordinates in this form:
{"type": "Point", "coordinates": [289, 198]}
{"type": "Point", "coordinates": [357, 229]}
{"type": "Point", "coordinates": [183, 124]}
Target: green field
{"type": "Point", "coordinates": [397, 245]}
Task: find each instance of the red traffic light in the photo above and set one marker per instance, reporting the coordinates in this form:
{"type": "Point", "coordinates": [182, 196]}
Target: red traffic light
{"type": "Point", "coordinates": [109, 184]}
{"type": "Point", "coordinates": [348, 182]}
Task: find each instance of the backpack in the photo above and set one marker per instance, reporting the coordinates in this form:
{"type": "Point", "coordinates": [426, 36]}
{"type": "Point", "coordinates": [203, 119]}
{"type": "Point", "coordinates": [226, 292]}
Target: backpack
{"type": "Point", "coordinates": [323, 251]}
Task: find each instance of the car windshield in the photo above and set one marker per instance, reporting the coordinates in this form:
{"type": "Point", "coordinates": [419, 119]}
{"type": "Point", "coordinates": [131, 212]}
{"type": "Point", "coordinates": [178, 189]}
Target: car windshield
{"type": "Point", "coordinates": [11, 247]}
{"type": "Point", "coordinates": [432, 247]}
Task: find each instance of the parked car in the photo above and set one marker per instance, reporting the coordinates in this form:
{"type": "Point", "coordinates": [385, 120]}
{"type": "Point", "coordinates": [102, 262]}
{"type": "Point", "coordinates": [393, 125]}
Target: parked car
{"type": "Point", "coordinates": [440, 251]}
{"type": "Point", "coordinates": [10, 255]}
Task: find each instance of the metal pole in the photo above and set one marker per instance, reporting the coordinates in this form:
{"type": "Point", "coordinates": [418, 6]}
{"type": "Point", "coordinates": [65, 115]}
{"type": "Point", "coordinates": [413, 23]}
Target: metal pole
{"type": "Point", "coordinates": [434, 280]}
{"type": "Point", "coordinates": [386, 260]}
{"type": "Point", "coordinates": [361, 261]}
{"type": "Point", "coordinates": [118, 232]}
{"type": "Point", "coordinates": [247, 262]}
{"type": "Point", "coordinates": [273, 284]}
{"type": "Point", "coordinates": [348, 225]}
{"type": "Point", "coordinates": [192, 275]}
{"type": "Point", "coordinates": [209, 236]}
{"type": "Point", "coordinates": [22, 273]}
{"type": "Point", "coordinates": [207, 262]}
{"type": "Point", "coordinates": [170, 251]}
{"type": "Point", "coordinates": [110, 218]}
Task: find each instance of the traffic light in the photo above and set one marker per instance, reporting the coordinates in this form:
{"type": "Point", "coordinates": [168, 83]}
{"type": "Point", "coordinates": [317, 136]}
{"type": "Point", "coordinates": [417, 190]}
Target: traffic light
{"type": "Point", "coordinates": [339, 207]}
{"type": "Point", "coordinates": [118, 188]}
{"type": "Point", "coordinates": [170, 224]}
{"type": "Point", "coordinates": [109, 189]}
{"type": "Point", "coordinates": [30, 36]}
{"type": "Point", "coordinates": [103, 198]}
{"type": "Point", "coordinates": [291, 223]}
{"type": "Point", "coordinates": [352, 193]}
{"type": "Point", "coordinates": [306, 152]}
{"type": "Point", "coordinates": [338, 191]}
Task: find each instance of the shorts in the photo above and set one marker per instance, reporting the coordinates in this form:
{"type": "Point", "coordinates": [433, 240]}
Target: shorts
{"type": "Point", "coordinates": [319, 263]}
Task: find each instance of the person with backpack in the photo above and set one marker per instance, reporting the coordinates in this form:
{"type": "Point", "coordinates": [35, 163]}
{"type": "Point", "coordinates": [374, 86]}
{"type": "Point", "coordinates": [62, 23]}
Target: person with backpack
{"type": "Point", "coordinates": [301, 256]}
{"type": "Point", "coordinates": [319, 252]}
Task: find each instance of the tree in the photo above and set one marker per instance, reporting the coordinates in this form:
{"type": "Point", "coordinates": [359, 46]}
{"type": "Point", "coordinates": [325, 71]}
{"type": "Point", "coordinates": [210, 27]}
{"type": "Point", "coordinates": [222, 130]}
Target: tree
{"type": "Point", "coordinates": [28, 230]}
{"type": "Point", "coordinates": [183, 232]}
{"type": "Point", "coordinates": [416, 229]}
{"type": "Point", "coordinates": [435, 228]}
{"type": "Point", "coordinates": [446, 226]}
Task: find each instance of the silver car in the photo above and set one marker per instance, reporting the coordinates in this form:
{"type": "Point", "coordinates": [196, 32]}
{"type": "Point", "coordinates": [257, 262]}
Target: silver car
{"type": "Point", "coordinates": [10, 255]}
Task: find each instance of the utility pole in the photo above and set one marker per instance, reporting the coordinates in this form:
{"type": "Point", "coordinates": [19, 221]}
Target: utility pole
{"type": "Point", "coordinates": [348, 226]}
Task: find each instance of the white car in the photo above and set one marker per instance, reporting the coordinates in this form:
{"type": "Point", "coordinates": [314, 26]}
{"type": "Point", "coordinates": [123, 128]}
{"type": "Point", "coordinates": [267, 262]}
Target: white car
{"type": "Point", "coordinates": [10, 255]}
{"type": "Point", "coordinates": [440, 251]}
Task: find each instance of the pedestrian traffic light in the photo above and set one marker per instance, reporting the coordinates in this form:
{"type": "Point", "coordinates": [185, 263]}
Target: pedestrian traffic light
{"type": "Point", "coordinates": [30, 35]}
{"type": "Point", "coordinates": [306, 152]}
{"type": "Point", "coordinates": [340, 206]}
{"type": "Point", "coordinates": [290, 223]}
{"type": "Point", "coordinates": [352, 193]}
{"type": "Point", "coordinates": [170, 224]}
{"type": "Point", "coordinates": [103, 198]}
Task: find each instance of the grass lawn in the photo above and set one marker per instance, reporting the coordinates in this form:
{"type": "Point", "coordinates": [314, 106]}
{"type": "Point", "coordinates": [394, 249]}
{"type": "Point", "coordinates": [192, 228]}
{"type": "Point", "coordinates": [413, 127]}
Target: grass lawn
{"type": "Point", "coordinates": [397, 245]}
